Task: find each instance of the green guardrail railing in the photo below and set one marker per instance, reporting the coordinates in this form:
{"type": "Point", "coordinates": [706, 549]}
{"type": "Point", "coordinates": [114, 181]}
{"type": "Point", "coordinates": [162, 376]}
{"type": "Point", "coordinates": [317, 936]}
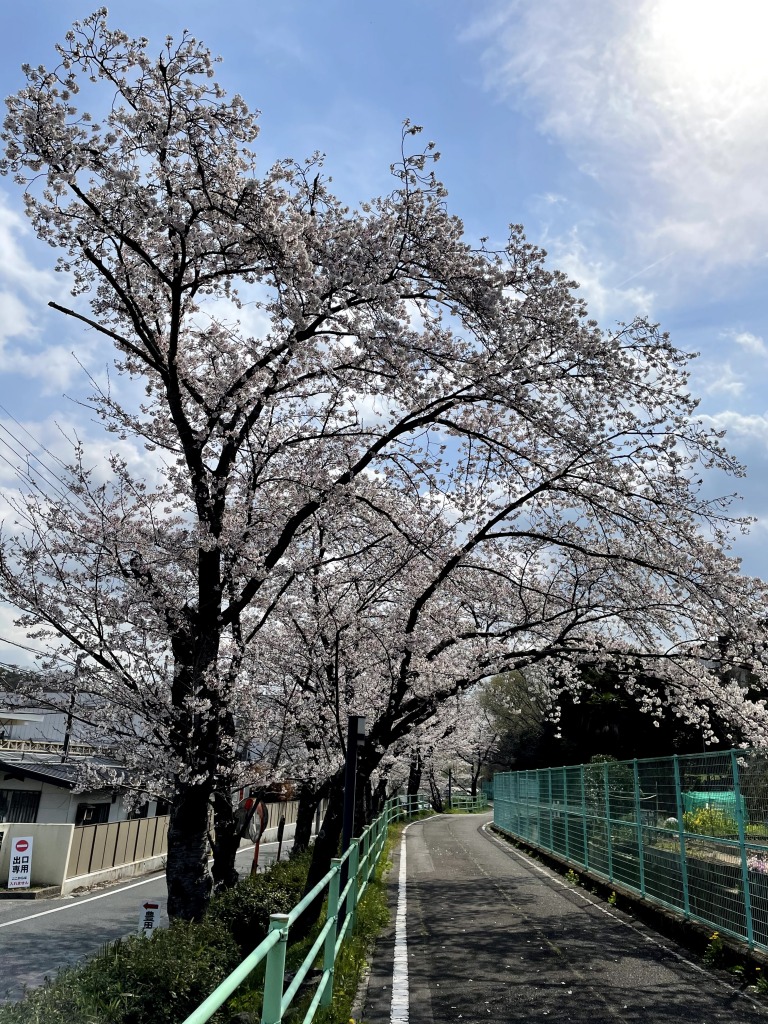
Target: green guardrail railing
{"type": "Point", "coordinates": [688, 832]}
{"type": "Point", "coordinates": [362, 857]}
{"type": "Point", "coordinates": [465, 802]}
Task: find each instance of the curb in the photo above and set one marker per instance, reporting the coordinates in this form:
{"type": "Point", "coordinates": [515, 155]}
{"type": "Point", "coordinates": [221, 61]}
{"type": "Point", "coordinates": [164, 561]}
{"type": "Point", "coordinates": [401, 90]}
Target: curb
{"type": "Point", "coordinates": [47, 892]}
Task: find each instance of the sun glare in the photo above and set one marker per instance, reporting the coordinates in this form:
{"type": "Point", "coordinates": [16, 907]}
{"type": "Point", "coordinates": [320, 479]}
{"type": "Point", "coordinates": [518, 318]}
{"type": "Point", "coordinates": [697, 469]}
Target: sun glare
{"type": "Point", "coordinates": [711, 49]}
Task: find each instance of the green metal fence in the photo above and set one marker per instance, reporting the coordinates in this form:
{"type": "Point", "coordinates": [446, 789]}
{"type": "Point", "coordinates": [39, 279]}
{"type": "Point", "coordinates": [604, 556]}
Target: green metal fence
{"type": "Point", "coordinates": [689, 833]}
{"type": "Point", "coordinates": [363, 855]}
{"type": "Point", "coordinates": [466, 802]}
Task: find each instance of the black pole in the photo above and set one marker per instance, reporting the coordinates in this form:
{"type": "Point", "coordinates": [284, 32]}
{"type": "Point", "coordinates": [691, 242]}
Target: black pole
{"type": "Point", "coordinates": [355, 739]}
{"type": "Point", "coordinates": [450, 780]}
{"type": "Point", "coordinates": [280, 831]}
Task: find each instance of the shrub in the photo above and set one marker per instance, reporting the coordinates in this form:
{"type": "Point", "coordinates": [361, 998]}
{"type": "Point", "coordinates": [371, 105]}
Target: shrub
{"type": "Point", "coordinates": [135, 980]}
{"type": "Point", "coordinates": [166, 977]}
{"type": "Point", "coordinates": [708, 821]}
{"type": "Point", "coordinates": [244, 910]}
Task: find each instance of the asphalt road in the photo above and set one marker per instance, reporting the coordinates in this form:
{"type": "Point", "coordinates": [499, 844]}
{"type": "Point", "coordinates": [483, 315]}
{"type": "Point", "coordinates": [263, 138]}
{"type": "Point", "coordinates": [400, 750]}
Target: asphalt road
{"type": "Point", "coordinates": [494, 936]}
{"type": "Point", "coordinates": [37, 937]}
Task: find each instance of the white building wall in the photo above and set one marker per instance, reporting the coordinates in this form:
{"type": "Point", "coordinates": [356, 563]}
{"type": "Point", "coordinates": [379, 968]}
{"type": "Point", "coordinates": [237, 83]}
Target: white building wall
{"type": "Point", "coordinates": [54, 805]}
{"type": "Point", "coordinates": [59, 806]}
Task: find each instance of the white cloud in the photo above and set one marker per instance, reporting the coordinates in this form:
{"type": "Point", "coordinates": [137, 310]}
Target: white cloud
{"type": "Point", "coordinates": [660, 100]}
{"type": "Point", "coordinates": [721, 379]}
{"type": "Point", "coordinates": [596, 278]}
{"type": "Point", "coordinates": [24, 315]}
{"type": "Point", "coordinates": [750, 342]}
{"type": "Point", "coordinates": [15, 266]}
{"type": "Point", "coordinates": [752, 426]}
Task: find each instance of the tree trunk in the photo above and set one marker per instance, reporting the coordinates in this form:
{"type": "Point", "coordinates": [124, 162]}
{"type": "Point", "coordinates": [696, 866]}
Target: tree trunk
{"type": "Point", "coordinates": [309, 798]}
{"type": "Point", "coordinates": [437, 800]}
{"type": "Point", "coordinates": [226, 842]}
{"type": "Point", "coordinates": [414, 773]}
{"type": "Point", "coordinates": [379, 798]}
{"type": "Point", "coordinates": [189, 883]}
{"type": "Point", "coordinates": [326, 846]}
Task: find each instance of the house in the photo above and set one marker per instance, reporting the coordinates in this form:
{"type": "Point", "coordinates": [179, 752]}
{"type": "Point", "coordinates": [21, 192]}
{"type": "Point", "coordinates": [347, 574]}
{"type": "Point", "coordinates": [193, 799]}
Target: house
{"type": "Point", "coordinates": [40, 763]}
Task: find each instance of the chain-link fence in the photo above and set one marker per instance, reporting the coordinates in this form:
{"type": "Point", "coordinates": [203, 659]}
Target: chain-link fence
{"type": "Point", "coordinates": [690, 833]}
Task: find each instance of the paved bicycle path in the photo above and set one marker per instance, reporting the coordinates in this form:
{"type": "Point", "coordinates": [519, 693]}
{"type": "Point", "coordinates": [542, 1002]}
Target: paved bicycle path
{"type": "Point", "coordinates": [494, 936]}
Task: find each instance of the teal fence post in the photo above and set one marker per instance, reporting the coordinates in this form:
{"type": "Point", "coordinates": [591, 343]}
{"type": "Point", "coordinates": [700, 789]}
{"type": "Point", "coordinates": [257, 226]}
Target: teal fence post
{"type": "Point", "coordinates": [742, 848]}
{"type": "Point", "coordinates": [533, 778]}
{"type": "Point", "coordinates": [607, 791]}
{"type": "Point", "coordinates": [565, 812]}
{"type": "Point", "coordinates": [584, 816]}
{"type": "Point", "coordinates": [551, 813]}
{"type": "Point", "coordinates": [329, 948]}
{"type": "Point", "coordinates": [639, 820]}
{"type": "Point", "coordinates": [681, 833]}
{"type": "Point", "coordinates": [354, 863]}
{"type": "Point", "coordinates": [365, 860]}
{"type": "Point", "coordinates": [272, 1012]}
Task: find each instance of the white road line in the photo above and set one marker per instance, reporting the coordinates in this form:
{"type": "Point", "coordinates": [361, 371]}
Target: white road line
{"type": "Point", "coordinates": [79, 903]}
{"type": "Point", "coordinates": [400, 996]}
{"type": "Point", "coordinates": [103, 895]}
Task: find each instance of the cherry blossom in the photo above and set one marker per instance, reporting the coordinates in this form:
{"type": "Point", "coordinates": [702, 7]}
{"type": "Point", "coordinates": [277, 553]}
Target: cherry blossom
{"type": "Point", "coordinates": [391, 462]}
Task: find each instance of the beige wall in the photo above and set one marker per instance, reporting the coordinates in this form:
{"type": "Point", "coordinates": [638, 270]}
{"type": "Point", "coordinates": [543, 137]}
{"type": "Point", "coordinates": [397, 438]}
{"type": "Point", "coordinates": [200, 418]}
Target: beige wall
{"type": "Point", "coordinates": [54, 855]}
{"type": "Point", "coordinates": [50, 851]}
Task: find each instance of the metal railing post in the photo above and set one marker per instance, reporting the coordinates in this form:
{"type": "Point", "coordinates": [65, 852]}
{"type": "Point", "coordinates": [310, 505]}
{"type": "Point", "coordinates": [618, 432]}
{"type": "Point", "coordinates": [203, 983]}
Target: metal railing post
{"type": "Point", "coordinates": [584, 816]}
{"type": "Point", "coordinates": [329, 948]}
{"type": "Point", "coordinates": [364, 858]}
{"type": "Point", "coordinates": [742, 849]}
{"type": "Point", "coordinates": [607, 791]}
{"type": "Point", "coordinates": [639, 820]}
{"type": "Point", "coordinates": [681, 833]}
{"type": "Point", "coordinates": [565, 814]}
{"type": "Point", "coordinates": [272, 1012]}
{"type": "Point", "coordinates": [354, 863]}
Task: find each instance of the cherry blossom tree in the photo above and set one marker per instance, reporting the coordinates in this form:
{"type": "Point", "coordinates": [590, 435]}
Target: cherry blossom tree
{"type": "Point", "coordinates": [379, 448]}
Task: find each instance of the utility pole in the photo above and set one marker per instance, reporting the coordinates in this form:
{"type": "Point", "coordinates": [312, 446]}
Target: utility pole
{"type": "Point", "coordinates": [70, 712]}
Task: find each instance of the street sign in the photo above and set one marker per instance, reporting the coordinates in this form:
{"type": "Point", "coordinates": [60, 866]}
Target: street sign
{"type": "Point", "coordinates": [149, 918]}
{"type": "Point", "coordinates": [20, 870]}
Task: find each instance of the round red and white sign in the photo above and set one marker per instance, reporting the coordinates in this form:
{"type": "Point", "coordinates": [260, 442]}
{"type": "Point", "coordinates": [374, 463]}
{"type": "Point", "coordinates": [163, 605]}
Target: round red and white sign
{"type": "Point", "coordinates": [22, 845]}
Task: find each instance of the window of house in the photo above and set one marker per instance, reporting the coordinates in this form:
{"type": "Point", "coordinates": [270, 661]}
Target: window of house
{"type": "Point", "coordinates": [92, 814]}
{"type": "Point", "coordinates": [19, 805]}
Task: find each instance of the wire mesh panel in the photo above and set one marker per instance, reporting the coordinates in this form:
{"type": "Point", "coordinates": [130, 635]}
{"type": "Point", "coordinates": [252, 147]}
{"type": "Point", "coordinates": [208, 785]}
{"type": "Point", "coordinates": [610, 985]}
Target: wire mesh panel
{"type": "Point", "coordinates": [688, 832]}
{"type": "Point", "coordinates": [574, 808]}
{"type": "Point", "coordinates": [559, 837]}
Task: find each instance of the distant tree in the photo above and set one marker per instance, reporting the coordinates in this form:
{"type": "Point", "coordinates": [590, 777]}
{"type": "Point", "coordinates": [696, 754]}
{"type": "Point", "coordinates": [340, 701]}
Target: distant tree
{"type": "Point", "coordinates": [301, 362]}
{"type": "Point", "coordinates": [603, 714]}
{"type": "Point", "coordinates": [13, 678]}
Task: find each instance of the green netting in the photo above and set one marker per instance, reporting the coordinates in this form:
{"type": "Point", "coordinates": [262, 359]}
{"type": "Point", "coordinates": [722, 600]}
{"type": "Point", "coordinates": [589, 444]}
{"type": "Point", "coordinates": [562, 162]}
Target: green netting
{"type": "Point", "coordinates": [725, 802]}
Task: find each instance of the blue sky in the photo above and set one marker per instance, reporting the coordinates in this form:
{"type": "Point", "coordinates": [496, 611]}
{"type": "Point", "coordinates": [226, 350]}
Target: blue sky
{"type": "Point", "coordinates": [631, 140]}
